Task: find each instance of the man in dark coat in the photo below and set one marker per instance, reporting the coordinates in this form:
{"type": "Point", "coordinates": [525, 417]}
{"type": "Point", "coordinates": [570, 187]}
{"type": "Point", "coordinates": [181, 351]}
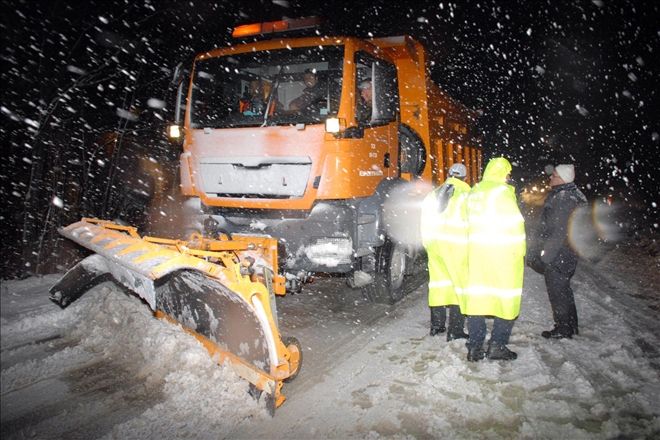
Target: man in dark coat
{"type": "Point", "coordinates": [313, 93]}
{"type": "Point", "coordinates": [555, 257]}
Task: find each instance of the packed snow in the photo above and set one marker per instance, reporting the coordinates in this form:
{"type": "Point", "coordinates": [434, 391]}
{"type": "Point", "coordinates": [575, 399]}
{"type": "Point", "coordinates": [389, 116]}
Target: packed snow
{"type": "Point", "coordinates": [105, 368]}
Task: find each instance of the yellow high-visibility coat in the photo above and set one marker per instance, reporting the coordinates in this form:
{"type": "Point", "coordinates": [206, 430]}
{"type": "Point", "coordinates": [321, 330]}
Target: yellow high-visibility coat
{"type": "Point", "coordinates": [496, 246]}
{"type": "Point", "coordinates": [444, 235]}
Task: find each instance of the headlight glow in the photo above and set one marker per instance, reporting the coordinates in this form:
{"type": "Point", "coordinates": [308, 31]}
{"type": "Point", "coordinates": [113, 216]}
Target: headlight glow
{"type": "Point", "coordinates": [332, 125]}
{"type": "Point", "coordinates": [174, 131]}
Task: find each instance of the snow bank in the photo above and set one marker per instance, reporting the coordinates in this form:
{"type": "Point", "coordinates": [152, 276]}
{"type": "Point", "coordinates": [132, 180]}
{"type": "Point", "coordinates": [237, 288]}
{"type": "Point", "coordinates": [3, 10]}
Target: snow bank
{"type": "Point", "coordinates": [185, 391]}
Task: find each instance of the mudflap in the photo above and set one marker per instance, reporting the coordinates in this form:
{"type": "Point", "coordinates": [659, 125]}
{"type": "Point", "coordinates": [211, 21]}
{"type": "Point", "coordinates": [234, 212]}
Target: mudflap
{"type": "Point", "coordinates": [83, 276]}
{"type": "Point", "coordinates": [211, 310]}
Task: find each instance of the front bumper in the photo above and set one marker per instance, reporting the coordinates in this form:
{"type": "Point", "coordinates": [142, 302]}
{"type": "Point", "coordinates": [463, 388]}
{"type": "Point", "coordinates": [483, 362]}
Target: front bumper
{"type": "Point", "coordinates": [322, 239]}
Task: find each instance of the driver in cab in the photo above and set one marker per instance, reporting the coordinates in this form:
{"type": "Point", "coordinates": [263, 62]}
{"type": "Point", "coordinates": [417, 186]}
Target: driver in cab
{"type": "Point", "coordinates": [365, 103]}
{"type": "Point", "coordinates": [312, 94]}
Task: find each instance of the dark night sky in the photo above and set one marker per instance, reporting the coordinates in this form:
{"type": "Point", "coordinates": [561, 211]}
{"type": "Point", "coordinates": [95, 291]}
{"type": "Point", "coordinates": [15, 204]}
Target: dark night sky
{"type": "Point", "coordinates": [557, 80]}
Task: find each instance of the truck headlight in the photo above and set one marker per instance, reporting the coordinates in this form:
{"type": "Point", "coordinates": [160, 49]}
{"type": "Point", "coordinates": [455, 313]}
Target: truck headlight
{"type": "Point", "coordinates": [174, 132]}
{"type": "Point", "coordinates": [332, 125]}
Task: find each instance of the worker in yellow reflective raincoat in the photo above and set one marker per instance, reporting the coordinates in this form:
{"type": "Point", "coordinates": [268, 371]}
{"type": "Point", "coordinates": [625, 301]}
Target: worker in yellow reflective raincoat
{"type": "Point", "coordinates": [496, 251]}
{"type": "Point", "coordinates": [444, 235]}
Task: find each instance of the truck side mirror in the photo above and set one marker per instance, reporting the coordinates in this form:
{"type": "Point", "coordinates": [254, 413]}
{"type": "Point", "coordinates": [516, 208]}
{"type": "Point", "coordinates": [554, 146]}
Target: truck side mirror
{"type": "Point", "coordinates": [175, 130]}
{"type": "Point", "coordinates": [177, 74]}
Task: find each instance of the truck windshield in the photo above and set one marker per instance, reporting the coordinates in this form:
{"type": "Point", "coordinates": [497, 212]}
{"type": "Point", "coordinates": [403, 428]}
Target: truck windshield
{"type": "Point", "coordinates": [275, 87]}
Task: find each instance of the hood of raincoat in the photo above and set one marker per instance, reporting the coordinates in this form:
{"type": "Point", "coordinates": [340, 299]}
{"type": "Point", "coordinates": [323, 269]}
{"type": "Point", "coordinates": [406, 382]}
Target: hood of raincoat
{"type": "Point", "coordinates": [497, 170]}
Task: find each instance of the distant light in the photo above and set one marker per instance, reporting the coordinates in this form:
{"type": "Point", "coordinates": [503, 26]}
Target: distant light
{"type": "Point", "coordinates": [58, 202]}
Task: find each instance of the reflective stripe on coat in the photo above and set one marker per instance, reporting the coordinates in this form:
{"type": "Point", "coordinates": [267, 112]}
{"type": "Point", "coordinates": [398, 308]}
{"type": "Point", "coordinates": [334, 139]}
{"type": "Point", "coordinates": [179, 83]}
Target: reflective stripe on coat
{"type": "Point", "coordinates": [496, 246]}
{"type": "Point", "coordinates": [444, 235]}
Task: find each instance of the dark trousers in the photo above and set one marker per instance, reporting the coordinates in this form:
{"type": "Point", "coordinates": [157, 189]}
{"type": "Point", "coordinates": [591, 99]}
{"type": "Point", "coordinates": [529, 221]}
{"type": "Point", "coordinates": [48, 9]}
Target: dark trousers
{"type": "Point", "coordinates": [562, 300]}
{"type": "Point", "coordinates": [477, 330]}
{"type": "Point", "coordinates": [456, 319]}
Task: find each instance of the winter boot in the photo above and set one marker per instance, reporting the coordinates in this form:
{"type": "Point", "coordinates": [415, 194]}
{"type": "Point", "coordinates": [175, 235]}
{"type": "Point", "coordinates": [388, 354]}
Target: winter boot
{"type": "Point", "coordinates": [452, 336]}
{"type": "Point", "coordinates": [438, 318]}
{"type": "Point", "coordinates": [437, 330]}
{"type": "Point", "coordinates": [497, 352]}
{"type": "Point", "coordinates": [557, 333]}
{"type": "Point", "coordinates": [475, 354]}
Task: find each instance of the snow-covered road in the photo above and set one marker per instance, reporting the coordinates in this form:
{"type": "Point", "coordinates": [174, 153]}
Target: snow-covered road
{"type": "Point", "coordinates": [105, 368]}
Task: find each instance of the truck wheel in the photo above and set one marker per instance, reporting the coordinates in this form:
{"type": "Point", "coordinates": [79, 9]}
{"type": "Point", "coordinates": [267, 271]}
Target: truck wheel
{"type": "Point", "coordinates": [391, 262]}
{"type": "Point", "coordinates": [296, 360]}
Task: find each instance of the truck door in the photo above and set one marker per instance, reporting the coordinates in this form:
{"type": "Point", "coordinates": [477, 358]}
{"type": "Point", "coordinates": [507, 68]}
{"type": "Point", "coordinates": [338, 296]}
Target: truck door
{"type": "Point", "coordinates": [377, 103]}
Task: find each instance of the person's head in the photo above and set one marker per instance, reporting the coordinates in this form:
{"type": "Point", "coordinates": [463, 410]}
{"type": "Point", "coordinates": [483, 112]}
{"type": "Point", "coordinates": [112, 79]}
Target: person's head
{"type": "Point", "coordinates": [310, 78]}
{"type": "Point", "coordinates": [458, 170]}
{"type": "Point", "coordinates": [497, 170]}
{"type": "Point", "coordinates": [564, 173]}
{"type": "Point", "coordinates": [365, 90]}
{"type": "Point", "coordinates": [256, 88]}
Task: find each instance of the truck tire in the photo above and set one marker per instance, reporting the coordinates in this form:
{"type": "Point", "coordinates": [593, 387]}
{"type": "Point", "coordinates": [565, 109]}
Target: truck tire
{"type": "Point", "coordinates": [390, 268]}
{"type": "Point", "coordinates": [294, 346]}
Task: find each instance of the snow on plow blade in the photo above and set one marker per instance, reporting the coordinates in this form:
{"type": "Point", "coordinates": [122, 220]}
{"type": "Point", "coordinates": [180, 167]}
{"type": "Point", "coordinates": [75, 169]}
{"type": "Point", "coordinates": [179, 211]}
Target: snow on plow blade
{"type": "Point", "coordinates": [210, 287]}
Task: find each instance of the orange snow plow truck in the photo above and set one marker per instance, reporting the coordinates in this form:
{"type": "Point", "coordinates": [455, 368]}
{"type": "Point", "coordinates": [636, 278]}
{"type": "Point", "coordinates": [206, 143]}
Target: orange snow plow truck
{"type": "Point", "coordinates": [293, 151]}
{"type": "Point", "coordinates": [307, 139]}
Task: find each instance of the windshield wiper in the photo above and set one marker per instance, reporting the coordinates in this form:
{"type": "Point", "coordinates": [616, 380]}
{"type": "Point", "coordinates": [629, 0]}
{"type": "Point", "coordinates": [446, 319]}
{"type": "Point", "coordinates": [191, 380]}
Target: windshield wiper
{"type": "Point", "coordinates": [272, 94]}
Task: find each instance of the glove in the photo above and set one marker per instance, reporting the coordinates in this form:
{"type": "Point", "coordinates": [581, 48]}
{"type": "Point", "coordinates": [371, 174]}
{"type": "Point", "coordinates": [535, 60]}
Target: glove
{"type": "Point", "coordinates": [534, 261]}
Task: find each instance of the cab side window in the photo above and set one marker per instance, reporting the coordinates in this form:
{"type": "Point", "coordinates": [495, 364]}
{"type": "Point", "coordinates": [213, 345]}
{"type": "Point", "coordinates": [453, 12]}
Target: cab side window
{"type": "Point", "coordinates": [377, 94]}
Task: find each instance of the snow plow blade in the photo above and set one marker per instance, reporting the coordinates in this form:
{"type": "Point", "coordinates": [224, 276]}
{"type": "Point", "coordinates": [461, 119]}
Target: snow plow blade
{"type": "Point", "coordinates": [216, 289]}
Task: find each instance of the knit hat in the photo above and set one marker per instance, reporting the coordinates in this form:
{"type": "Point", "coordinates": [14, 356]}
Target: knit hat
{"type": "Point", "coordinates": [458, 170]}
{"type": "Point", "coordinates": [566, 172]}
